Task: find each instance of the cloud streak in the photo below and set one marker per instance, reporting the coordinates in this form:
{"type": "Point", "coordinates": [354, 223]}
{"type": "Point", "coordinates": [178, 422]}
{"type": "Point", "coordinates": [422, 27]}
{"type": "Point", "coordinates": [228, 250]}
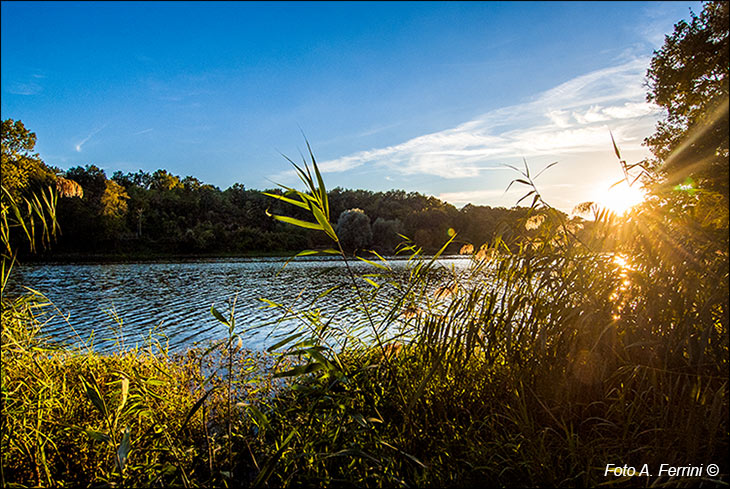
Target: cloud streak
{"type": "Point", "coordinates": [572, 118]}
{"type": "Point", "coordinates": [79, 146]}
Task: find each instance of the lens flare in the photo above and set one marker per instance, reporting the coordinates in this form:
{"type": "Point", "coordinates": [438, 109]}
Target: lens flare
{"type": "Point", "coordinates": [621, 198]}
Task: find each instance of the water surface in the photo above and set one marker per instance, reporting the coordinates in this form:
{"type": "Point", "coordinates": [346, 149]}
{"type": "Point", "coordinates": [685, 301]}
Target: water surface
{"type": "Point", "coordinates": [174, 298]}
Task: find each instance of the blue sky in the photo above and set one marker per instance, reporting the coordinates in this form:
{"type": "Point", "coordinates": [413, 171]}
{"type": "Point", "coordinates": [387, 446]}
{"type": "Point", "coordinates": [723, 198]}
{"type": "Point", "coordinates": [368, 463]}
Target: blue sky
{"type": "Point", "coordinates": [430, 97]}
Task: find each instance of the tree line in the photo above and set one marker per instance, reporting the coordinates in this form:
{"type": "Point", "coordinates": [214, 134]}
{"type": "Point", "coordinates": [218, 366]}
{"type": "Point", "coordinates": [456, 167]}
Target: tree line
{"type": "Point", "coordinates": [159, 213]}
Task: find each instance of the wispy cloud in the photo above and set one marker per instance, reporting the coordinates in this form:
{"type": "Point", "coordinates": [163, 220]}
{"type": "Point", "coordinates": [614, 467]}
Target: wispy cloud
{"type": "Point", "coordinates": [80, 144]}
{"type": "Point", "coordinates": [29, 88]}
{"type": "Point", "coordinates": [144, 131]}
{"type": "Point", "coordinates": [572, 118]}
{"type": "Point", "coordinates": [28, 83]}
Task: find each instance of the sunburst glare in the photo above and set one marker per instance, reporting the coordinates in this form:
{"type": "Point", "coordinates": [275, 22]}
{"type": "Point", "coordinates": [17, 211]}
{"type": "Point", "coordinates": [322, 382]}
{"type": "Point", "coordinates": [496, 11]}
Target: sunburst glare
{"type": "Point", "coordinates": [620, 198]}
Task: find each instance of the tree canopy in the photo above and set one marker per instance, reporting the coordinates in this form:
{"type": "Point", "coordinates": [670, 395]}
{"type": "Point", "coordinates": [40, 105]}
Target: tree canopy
{"type": "Point", "coordinates": [688, 77]}
{"type": "Point", "coordinates": [353, 229]}
{"type": "Point", "coordinates": [21, 168]}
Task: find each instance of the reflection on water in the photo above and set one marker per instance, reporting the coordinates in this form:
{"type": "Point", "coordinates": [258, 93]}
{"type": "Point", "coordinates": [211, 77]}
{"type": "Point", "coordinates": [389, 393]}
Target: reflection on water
{"type": "Point", "coordinates": [176, 297]}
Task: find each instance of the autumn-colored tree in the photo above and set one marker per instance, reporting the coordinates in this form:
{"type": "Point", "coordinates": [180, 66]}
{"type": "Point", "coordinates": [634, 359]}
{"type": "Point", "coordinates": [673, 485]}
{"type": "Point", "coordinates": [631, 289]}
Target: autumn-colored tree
{"type": "Point", "coordinates": [21, 168]}
{"type": "Point", "coordinates": [114, 200]}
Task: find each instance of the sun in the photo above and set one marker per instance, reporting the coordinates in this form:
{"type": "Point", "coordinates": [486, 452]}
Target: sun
{"type": "Point", "coordinates": [620, 198]}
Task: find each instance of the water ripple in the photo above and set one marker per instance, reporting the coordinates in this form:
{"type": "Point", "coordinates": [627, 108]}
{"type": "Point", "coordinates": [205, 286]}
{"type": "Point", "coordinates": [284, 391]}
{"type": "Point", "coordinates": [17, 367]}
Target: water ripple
{"type": "Point", "coordinates": [175, 298]}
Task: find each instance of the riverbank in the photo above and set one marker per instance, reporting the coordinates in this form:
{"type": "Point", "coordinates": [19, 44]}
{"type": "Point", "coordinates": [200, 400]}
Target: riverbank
{"type": "Point", "coordinates": [563, 363]}
{"type": "Point", "coordinates": [404, 415]}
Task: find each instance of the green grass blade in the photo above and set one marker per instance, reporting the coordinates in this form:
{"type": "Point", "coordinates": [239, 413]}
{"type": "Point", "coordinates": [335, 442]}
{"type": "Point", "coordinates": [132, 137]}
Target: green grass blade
{"type": "Point", "coordinates": [298, 222]}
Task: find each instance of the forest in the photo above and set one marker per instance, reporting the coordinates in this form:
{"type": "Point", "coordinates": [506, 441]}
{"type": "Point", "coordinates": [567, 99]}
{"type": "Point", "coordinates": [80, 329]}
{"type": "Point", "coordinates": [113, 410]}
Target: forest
{"type": "Point", "coordinates": [160, 214]}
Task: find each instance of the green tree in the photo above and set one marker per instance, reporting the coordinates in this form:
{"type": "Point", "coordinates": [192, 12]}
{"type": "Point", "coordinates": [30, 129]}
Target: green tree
{"type": "Point", "coordinates": [385, 234]}
{"type": "Point", "coordinates": [688, 77]}
{"type": "Point", "coordinates": [21, 168]}
{"type": "Point", "coordinates": [162, 180]}
{"type": "Point", "coordinates": [93, 180]}
{"type": "Point", "coordinates": [353, 229]}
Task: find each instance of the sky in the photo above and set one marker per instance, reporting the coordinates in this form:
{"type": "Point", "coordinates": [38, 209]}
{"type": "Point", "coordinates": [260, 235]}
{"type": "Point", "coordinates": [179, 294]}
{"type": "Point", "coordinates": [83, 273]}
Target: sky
{"type": "Point", "coordinates": [432, 97]}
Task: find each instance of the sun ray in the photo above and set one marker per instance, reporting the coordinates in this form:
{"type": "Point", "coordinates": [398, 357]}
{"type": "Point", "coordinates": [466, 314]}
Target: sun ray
{"type": "Point", "coordinates": [620, 198]}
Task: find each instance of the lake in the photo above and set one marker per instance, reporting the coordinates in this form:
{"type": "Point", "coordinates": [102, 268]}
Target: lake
{"type": "Point", "coordinates": [174, 298]}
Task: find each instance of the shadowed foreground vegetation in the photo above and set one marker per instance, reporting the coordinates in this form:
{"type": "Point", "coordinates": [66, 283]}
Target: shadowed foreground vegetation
{"type": "Point", "coordinates": [544, 361]}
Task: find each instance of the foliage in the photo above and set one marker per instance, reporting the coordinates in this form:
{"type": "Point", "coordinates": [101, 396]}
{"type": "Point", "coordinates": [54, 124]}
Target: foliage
{"type": "Point", "coordinates": [386, 234]}
{"type": "Point", "coordinates": [139, 213]}
{"type": "Point", "coordinates": [169, 214]}
{"type": "Point", "coordinates": [21, 168]}
{"type": "Point", "coordinates": [535, 366]}
{"type": "Point", "coordinates": [138, 417]}
{"type": "Point", "coordinates": [353, 229]}
{"type": "Point", "coordinates": [114, 200]}
{"type": "Point", "coordinates": [688, 77]}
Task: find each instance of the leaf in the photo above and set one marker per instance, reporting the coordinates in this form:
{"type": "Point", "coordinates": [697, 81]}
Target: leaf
{"type": "Point", "coordinates": [615, 148]}
{"type": "Point", "coordinates": [360, 419]}
{"type": "Point", "coordinates": [319, 358]}
{"type": "Point", "coordinates": [514, 168]}
{"type": "Point", "coordinates": [414, 459]}
{"type": "Point", "coordinates": [298, 222]}
{"type": "Point", "coordinates": [370, 262]}
{"type": "Point", "coordinates": [534, 201]}
{"type": "Point", "coordinates": [300, 370]}
{"type": "Point", "coordinates": [283, 342]}
{"type": "Point", "coordinates": [328, 291]}
{"type": "Point", "coordinates": [93, 393]}
{"type": "Point", "coordinates": [125, 392]}
{"type": "Point", "coordinates": [268, 468]}
{"type": "Point", "coordinates": [320, 181]}
{"type": "Point", "coordinates": [218, 315]}
{"type": "Point", "coordinates": [520, 180]}
{"type": "Point", "coordinates": [354, 452]}
{"type": "Point", "coordinates": [371, 282]}
{"type": "Point", "coordinates": [97, 435]}
{"type": "Point", "coordinates": [260, 417]}
{"type": "Point", "coordinates": [305, 348]}
{"type": "Point", "coordinates": [269, 303]}
{"type": "Point", "coordinates": [124, 448]}
{"type": "Point", "coordinates": [307, 253]}
{"type": "Point", "coordinates": [547, 167]}
{"type": "Point", "coordinates": [195, 408]}
{"type": "Point", "coordinates": [617, 183]}
{"type": "Point", "coordinates": [379, 257]}
{"type": "Point", "coordinates": [297, 203]}
{"type": "Point", "coordinates": [525, 196]}
{"type": "Point", "coordinates": [322, 220]}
